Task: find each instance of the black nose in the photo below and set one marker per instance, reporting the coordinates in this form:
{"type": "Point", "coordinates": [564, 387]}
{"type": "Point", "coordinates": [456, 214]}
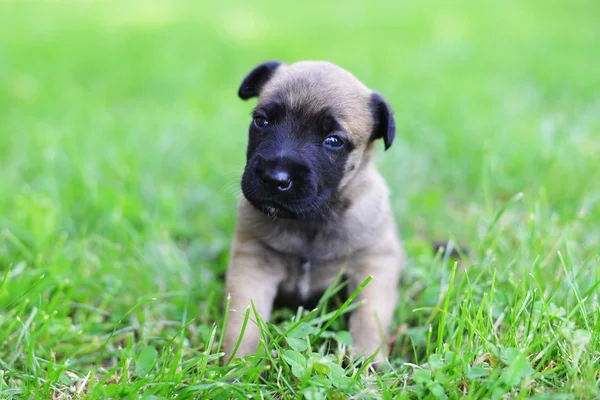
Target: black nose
{"type": "Point", "coordinates": [277, 179]}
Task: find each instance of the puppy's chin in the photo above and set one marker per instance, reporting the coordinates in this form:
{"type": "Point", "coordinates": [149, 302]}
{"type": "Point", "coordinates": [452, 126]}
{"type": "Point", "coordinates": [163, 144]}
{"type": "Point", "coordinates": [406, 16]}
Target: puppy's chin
{"type": "Point", "coordinates": [310, 210]}
{"type": "Point", "coordinates": [276, 210]}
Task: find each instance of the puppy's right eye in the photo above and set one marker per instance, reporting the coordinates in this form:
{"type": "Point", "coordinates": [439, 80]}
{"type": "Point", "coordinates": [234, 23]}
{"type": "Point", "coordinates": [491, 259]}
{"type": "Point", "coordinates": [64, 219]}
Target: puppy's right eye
{"type": "Point", "coordinates": [333, 142]}
{"type": "Point", "coordinates": [260, 122]}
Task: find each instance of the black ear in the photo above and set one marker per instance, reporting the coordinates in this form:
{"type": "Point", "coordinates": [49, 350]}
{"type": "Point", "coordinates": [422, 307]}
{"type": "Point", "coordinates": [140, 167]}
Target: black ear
{"type": "Point", "coordinates": [256, 79]}
{"type": "Point", "coordinates": [384, 126]}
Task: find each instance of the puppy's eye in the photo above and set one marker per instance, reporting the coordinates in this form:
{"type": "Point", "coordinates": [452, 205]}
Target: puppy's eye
{"type": "Point", "coordinates": [261, 122]}
{"type": "Point", "coordinates": [333, 142]}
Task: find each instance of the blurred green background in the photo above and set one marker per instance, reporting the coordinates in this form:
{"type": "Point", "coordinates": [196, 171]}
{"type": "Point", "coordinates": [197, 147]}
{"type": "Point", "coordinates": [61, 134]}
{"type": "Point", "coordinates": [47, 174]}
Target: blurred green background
{"type": "Point", "coordinates": [122, 140]}
{"type": "Point", "coordinates": [494, 93]}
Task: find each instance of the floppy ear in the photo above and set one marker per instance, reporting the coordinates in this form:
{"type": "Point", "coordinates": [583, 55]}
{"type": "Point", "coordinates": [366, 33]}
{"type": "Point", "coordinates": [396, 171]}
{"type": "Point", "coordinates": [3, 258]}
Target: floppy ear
{"type": "Point", "coordinates": [384, 126]}
{"type": "Point", "coordinates": [256, 79]}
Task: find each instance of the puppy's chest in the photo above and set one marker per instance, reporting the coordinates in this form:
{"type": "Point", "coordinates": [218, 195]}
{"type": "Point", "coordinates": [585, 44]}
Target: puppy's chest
{"type": "Point", "coordinates": [306, 281]}
{"type": "Point", "coordinates": [314, 243]}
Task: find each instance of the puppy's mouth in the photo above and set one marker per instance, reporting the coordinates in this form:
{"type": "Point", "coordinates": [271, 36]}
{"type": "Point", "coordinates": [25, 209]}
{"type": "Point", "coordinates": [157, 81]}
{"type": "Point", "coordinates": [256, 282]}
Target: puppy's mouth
{"type": "Point", "coordinates": [314, 209]}
{"type": "Point", "coordinates": [271, 210]}
{"type": "Point", "coordinates": [276, 209]}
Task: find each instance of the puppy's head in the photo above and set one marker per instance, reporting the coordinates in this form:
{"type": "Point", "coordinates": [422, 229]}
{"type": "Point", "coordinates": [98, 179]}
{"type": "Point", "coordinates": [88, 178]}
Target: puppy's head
{"type": "Point", "coordinates": [312, 130]}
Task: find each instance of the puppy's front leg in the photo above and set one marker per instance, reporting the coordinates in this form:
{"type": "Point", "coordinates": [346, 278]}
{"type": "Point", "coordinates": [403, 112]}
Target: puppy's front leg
{"type": "Point", "coordinates": [253, 274]}
{"type": "Point", "coordinates": [369, 323]}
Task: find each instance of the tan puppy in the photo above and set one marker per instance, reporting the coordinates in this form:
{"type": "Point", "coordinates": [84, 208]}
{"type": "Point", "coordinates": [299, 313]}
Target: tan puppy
{"type": "Point", "coordinates": [313, 201]}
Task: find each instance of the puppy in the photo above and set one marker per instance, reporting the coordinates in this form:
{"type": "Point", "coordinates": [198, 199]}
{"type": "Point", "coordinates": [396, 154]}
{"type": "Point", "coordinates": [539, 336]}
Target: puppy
{"type": "Point", "coordinates": [313, 202]}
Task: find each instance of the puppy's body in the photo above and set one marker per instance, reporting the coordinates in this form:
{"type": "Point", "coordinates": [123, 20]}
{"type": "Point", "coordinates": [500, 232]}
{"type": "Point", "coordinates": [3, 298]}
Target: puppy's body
{"type": "Point", "coordinates": [331, 211]}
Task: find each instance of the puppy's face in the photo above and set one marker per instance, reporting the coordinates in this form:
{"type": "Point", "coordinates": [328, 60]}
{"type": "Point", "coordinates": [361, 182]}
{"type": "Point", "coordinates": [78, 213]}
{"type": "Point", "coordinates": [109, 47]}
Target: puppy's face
{"type": "Point", "coordinates": [310, 130]}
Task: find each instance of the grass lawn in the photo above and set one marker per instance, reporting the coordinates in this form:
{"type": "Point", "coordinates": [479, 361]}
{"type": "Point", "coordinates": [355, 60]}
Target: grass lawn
{"type": "Point", "coordinates": [122, 142]}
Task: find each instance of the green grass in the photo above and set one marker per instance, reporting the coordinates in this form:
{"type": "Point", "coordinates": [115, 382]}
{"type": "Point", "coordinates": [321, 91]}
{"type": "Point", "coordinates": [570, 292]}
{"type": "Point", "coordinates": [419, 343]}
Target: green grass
{"type": "Point", "coordinates": [122, 142]}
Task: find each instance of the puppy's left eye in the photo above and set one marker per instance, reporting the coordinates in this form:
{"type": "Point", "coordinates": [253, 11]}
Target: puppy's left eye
{"type": "Point", "coordinates": [261, 122]}
{"type": "Point", "coordinates": [333, 142]}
